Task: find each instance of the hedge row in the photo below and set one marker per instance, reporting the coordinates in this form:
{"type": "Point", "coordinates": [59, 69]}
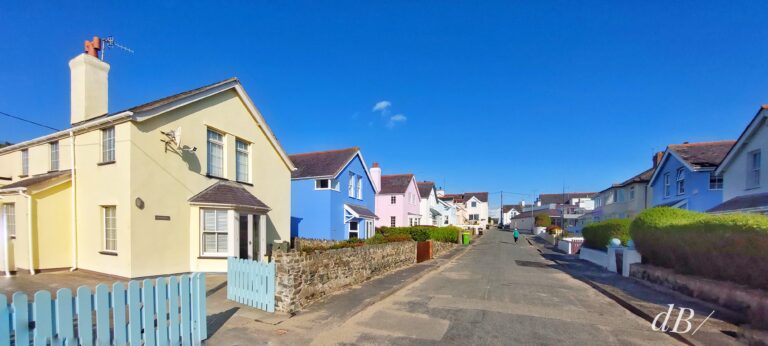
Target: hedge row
{"type": "Point", "coordinates": [722, 247]}
{"type": "Point", "coordinates": [376, 239]}
{"type": "Point", "coordinates": [597, 235]}
{"type": "Point", "coordinates": [449, 234]}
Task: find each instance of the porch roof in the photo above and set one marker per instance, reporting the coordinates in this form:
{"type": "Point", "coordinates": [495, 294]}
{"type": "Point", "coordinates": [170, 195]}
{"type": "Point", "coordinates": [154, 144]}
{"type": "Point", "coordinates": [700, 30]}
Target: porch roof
{"type": "Point", "coordinates": [230, 194]}
{"type": "Point", "coordinates": [37, 179]}
{"type": "Point", "coordinates": [362, 212]}
{"type": "Point", "coordinates": [755, 201]}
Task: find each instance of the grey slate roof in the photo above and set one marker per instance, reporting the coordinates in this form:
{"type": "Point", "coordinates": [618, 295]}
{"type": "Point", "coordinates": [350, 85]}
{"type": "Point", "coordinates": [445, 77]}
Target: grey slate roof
{"type": "Point", "coordinates": [362, 211]}
{"type": "Point", "coordinates": [228, 193]}
{"type": "Point", "coordinates": [397, 183]}
{"type": "Point", "coordinates": [322, 163]}
{"type": "Point", "coordinates": [40, 178]}
{"type": "Point", "coordinates": [559, 198]}
{"type": "Point", "coordinates": [756, 200]}
{"type": "Point", "coordinates": [425, 187]}
{"type": "Point", "coordinates": [703, 154]}
{"type": "Point", "coordinates": [508, 207]}
{"type": "Point", "coordinates": [463, 197]}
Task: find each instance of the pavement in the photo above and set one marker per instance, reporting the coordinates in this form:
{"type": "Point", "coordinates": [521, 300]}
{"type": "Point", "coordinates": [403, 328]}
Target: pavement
{"type": "Point", "coordinates": [497, 292]}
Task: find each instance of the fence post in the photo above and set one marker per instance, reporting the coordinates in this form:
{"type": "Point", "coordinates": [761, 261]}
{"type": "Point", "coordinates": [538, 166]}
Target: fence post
{"type": "Point", "coordinates": [5, 321]}
{"type": "Point", "coordinates": [84, 308]}
{"type": "Point", "coordinates": [21, 318]}
{"type": "Point", "coordinates": [43, 318]}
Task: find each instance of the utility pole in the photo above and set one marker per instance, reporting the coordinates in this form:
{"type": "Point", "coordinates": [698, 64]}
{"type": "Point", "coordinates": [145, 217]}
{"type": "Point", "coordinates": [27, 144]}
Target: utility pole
{"type": "Point", "coordinates": [501, 210]}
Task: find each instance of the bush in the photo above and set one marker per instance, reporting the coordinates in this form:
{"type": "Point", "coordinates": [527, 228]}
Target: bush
{"type": "Point", "coordinates": [598, 235]}
{"type": "Point", "coordinates": [722, 247]}
{"type": "Point", "coordinates": [394, 238]}
{"type": "Point", "coordinates": [542, 220]}
{"type": "Point", "coordinates": [448, 234]}
{"type": "Point", "coordinates": [376, 239]}
{"type": "Point", "coordinates": [554, 230]}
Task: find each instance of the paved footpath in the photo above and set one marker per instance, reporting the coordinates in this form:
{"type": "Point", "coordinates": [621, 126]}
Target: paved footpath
{"type": "Point", "coordinates": [497, 293]}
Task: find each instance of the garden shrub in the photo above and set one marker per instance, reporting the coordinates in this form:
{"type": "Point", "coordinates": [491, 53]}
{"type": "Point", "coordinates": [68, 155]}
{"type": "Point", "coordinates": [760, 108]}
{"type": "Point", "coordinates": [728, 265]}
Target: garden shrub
{"type": "Point", "coordinates": [422, 233]}
{"type": "Point", "coordinates": [393, 238]}
{"type": "Point", "coordinates": [542, 220]}
{"type": "Point", "coordinates": [730, 247]}
{"type": "Point", "coordinates": [376, 239]}
{"type": "Point", "coordinates": [599, 234]}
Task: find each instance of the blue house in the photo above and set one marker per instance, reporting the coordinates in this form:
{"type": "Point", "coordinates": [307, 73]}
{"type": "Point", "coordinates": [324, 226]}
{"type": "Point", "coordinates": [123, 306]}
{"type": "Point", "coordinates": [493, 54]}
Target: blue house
{"type": "Point", "coordinates": [685, 177]}
{"type": "Point", "coordinates": [332, 196]}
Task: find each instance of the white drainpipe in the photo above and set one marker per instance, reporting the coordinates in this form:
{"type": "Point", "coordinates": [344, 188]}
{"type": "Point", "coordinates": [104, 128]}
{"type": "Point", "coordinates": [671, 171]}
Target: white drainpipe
{"type": "Point", "coordinates": [6, 257]}
{"type": "Point", "coordinates": [74, 201]}
{"type": "Point", "coordinates": [29, 231]}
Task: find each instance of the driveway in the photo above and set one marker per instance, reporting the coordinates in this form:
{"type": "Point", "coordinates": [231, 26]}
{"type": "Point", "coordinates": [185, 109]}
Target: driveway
{"type": "Point", "coordinates": [498, 292]}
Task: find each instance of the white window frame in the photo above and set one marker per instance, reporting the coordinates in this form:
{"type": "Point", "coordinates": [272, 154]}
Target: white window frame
{"type": "Point", "coordinates": [473, 204]}
{"type": "Point", "coordinates": [753, 169]}
{"type": "Point", "coordinates": [715, 181]}
{"type": "Point", "coordinates": [10, 219]}
{"type": "Point", "coordinates": [351, 185]}
{"type": "Point", "coordinates": [106, 229]}
{"type": "Point", "coordinates": [210, 143]}
{"type": "Point", "coordinates": [667, 185]}
{"type": "Point", "coordinates": [215, 231]}
{"type": "Point", "coordinates": [242, 174]}
{"type": "Point", "coordinates": [359, 187]}
{"type": "Point", "coordinates": [108, 145]}
{"type": "Point", "coordinates": [393, 200]}
{"type": "Point", "coordinates": [350, 230]}
{"type": "Point", "coordinates": [332, 184]}
{"type": "Point", "coordinates": [392, 221]}
{"type": "Point", "coordinates": [25, 162]}
{"type": "Point", "coordinates": [53, 148]}
{"type": "Point", "coordinates": [680, 181]}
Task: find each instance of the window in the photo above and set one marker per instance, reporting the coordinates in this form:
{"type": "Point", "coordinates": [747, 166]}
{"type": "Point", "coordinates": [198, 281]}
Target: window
{"type": "Point", "coordinates": [215, 154]}
{"type": "Point", "coordinates": [351, 186]}
{"type": "Point", "coordinates": [474, 217]}
{"type": "Point", "coordinates": [54, 148]}
{"type": "Point", "coordinates": [353, 230]}
{"type": "Point", "coordinates": [715, 181]}
{"type": "Point", "coordinates": [25, 162]}
{"type": "Point", "coordinates": [445, 221]}
{"type": "Point", "coordinates": [215, 232]}
{"type": "Point", "coordinates": [631, 193]}
{"type": "Point", "coordinates": [680, 181]}
{"type": "Point", "coordinates": [359, 187]}
{"type": "Point", "coordinates": [322, 184]}
{"type": "Point", "coordinates": [620, 195]}
{"type": "Point", "coordinates": [108, 144]}
{"type": "Point", "coordinates": [10, 218]}
{"type": "Point", "coordinates": [474, 204]}
{"type": "Point", "coordinates": [393, 200]}
{"type": "Point", "coordinates": [392, 222]}
{"type": "Point", "coordinates": [110, 228]}
{"type": "Point", "coordinates": [753, 171]}
{"type": "Point", "coordinates": [666, 185]}
{"type": "Point", "coordinates": [242, 160]}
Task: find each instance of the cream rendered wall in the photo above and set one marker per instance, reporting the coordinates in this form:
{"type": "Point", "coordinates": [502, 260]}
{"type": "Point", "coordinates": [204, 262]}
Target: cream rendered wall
{"type": "Point", "coordinates": [103, 185]}
{"type": "Point", "coordinates": [166, 180]}
{"type": "Point", "coordinates": [39, 160]}
{"type": "Point", "coordinates": [52, 220]}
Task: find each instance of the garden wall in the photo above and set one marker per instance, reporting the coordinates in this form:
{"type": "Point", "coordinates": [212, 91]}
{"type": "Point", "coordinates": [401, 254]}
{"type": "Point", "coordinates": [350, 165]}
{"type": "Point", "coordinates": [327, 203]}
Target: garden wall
{"type": "Point", "coordinates": [595, 256]}
{"type": "Point", "coordinates": [440, 248]}
{"type": "Point", "coordinates": [306, 277]}
{"type": "Point", "coordinates": [305, 242]}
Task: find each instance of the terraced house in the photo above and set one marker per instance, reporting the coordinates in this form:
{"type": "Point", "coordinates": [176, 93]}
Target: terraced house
{"type": "Point", "coordinates": [626, 199]}
{"type": "Point", "coordinates": [124, 193]}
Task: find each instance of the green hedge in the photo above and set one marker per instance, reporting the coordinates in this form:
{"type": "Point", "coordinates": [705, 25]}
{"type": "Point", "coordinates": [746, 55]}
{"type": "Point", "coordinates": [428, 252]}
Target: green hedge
{"type": "Point", "coordinates": [448, 234]}
{"type": "Point", "coordinates": [722, 247]}
{"type": "Point", "coordinates": [542, 220]}
{"type": "Point", "coordinates": [597, 235]}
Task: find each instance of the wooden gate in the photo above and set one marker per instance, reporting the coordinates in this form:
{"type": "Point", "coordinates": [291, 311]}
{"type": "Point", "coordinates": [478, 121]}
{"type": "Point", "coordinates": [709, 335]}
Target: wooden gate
{"type": "Point", "coordinates": [251, 283]}
{"type": "Point", "coordinates": [423, 251]}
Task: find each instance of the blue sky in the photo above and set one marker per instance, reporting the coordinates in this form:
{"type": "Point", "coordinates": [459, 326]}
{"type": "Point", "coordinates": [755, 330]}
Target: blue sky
{"type": "Point", "coordinates": [519, 96]}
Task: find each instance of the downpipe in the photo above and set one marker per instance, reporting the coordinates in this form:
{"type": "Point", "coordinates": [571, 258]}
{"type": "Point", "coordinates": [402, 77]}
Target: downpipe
{"type": "Point", "coordinates": [73, 218]}
{"type": "Point", "coordinates": [29, 231]}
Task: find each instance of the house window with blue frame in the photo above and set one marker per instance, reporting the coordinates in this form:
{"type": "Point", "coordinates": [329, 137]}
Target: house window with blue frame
{"type": "Point", "coordinates": [667, 187]}
{"type": "Point", "coordinates": [680, 181]}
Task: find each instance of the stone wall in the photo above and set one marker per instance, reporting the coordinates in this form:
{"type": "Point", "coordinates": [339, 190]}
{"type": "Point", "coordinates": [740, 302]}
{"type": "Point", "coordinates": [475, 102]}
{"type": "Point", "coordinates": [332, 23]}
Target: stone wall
{"type": "Point", "coordinates": [440, 248]}
{"type": "Point", "coordinates": [306, 277]}
{"type": "Point", "coordinates": [750, 304]}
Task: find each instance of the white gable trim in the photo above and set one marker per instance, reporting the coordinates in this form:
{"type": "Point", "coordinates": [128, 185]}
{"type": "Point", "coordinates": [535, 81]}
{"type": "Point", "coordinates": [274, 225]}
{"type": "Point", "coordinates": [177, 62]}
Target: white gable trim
{"type": "Point", "coordinates": [754, 126]}
{"type": "Point", "coordinates": [365, 168]}
{"type": "Point", "coordinates": [667, 153]}
{"type": "Point", "coordinates": [145, 115]}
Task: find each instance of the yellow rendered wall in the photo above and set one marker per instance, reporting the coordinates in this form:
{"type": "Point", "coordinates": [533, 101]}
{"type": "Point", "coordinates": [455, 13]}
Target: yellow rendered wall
{"type": "Point", "coordinates": [165, 180]}
{"type": "Point", "coordinates": [39, 160]}
{"type": "Point", "coordinates": [100, 185]}
{"type": "Point", "coordinates": [52, 220]}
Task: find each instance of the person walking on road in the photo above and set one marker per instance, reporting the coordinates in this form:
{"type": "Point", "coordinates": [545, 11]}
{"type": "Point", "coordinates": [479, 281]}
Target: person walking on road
{"type": "Point", "coordinates": [516, 234]}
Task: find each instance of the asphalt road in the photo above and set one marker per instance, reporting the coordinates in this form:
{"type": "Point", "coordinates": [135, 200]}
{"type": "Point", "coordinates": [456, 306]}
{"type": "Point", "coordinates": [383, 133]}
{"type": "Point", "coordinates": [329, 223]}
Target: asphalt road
{"type": "Point", "coordinates": [496, 293]}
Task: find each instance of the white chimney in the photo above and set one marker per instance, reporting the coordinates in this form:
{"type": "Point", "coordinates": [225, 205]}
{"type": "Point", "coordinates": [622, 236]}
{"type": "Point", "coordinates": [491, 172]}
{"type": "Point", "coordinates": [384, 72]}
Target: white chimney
{"type": "Point", "coordinates": [522, 203]}
{"type": "Point", "coordinates": [89, 83]}
{"type": "Point", "coordinates": [440, 192]}
{"type": "Point", "coordinates": [376, 176]}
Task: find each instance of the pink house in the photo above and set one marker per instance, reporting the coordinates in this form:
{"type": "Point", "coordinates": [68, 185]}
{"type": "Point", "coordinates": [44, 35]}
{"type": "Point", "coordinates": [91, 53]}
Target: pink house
{"type": "Point", "coordinates": [397, 199]}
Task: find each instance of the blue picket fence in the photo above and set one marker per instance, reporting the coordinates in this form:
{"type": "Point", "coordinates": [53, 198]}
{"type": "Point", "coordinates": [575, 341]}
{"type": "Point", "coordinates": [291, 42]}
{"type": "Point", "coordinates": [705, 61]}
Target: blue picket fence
{"type": "Point", "coordinates": [251, 283]}
{"type": "Point", "coordinates": [164, 311]}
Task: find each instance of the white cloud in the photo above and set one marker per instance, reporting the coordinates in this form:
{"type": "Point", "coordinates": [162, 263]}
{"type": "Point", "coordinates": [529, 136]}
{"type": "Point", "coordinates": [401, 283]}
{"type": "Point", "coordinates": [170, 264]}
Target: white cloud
{"type": "Point", "coordinates": [381, 106]}
{"type": "Point", "coordinates": [395, 119]}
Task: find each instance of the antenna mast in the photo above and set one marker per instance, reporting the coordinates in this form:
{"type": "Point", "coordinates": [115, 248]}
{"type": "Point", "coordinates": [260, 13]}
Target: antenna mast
{"type": "Point", "coordinates": [109, 42]}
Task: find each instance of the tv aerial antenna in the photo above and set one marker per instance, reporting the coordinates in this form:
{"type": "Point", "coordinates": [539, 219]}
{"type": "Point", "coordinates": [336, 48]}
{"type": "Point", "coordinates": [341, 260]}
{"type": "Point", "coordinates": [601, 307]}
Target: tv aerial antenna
{"type": "Point", "coordinates": [109, 42]}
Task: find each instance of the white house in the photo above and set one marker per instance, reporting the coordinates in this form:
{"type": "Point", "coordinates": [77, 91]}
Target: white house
{"type": "Point", "coordinates": [509, 211]}
{"type": "Point", "coordinates": [745, 187]}
{"type": "Point", "coordinates": [429, 206]}
{"type": "Point", "coordinates": [471, 208]}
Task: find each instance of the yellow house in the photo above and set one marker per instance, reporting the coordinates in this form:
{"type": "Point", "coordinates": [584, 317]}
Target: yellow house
{"type": "Point", "coordinates": [171, 186]}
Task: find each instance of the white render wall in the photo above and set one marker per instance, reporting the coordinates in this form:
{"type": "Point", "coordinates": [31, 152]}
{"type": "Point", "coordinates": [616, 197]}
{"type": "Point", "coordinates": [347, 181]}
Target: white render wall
{"type": "Point", "coordinates": [735, 176]}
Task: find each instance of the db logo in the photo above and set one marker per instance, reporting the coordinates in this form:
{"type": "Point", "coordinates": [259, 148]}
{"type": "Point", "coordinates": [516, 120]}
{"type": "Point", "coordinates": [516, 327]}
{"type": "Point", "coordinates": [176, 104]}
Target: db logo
{"type": "Point", "coordinates": [685, 315]}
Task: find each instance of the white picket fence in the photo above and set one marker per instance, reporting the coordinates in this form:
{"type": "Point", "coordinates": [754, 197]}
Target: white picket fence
{"type": "Point", "coordinates": [164, 311]}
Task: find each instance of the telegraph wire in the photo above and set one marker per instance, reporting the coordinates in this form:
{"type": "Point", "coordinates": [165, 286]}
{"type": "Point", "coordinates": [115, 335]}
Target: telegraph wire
{"type": "Point", "coordinates": [28, 121]}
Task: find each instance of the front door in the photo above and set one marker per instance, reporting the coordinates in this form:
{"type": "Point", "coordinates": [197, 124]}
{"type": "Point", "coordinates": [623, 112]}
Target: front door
{"type": "Point", "coordinates": [243, 244]}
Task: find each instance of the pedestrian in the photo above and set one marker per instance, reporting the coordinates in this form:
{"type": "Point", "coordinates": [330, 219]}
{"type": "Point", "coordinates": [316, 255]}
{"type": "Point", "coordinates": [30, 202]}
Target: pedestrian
{"type": "Point", "coordinates": [516, 234]}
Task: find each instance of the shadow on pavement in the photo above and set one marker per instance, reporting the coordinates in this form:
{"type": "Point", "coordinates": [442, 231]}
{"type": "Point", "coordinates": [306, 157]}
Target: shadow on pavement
{"type": "Point", "coordinates": [216, 321]}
